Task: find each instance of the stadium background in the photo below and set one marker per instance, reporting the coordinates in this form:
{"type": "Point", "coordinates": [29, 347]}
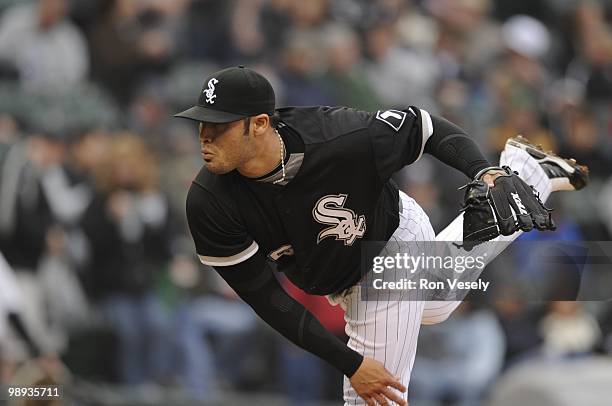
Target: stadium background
{"type": "Point", "coordinates": [94, 173]}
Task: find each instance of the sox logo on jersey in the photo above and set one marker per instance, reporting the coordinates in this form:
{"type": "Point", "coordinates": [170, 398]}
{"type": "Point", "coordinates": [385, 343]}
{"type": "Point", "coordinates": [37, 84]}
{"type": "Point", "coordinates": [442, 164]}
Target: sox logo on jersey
{"type": "Point", "coordinates": [345, 224]}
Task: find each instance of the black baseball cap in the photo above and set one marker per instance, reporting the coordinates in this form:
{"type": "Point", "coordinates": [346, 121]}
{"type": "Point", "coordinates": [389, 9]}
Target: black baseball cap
{"type": "Point", "coordinates": [231, 94]}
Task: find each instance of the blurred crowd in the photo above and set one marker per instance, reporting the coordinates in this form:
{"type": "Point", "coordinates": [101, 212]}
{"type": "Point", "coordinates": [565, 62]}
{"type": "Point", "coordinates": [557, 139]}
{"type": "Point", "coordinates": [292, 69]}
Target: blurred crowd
{"type": "Point", "coordinates": [94, 172]}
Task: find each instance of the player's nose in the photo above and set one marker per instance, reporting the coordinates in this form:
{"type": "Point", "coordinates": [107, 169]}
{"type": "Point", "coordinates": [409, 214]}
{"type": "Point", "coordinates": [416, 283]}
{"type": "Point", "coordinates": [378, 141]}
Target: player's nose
{"type": "Point", "coordinates": [204, 139]}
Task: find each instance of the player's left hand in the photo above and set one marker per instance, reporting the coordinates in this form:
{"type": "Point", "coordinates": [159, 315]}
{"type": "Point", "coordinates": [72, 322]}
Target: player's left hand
{"type": "Point", "coordinates": [489, 176]}
{"type": "Point", "coordinates": [376, 385]}
{"type": "Point", "coordinates": [500, 202]}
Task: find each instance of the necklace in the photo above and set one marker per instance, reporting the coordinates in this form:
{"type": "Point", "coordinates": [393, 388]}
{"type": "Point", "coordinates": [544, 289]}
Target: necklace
{"type": "Point", "coordinates": [282, 157]}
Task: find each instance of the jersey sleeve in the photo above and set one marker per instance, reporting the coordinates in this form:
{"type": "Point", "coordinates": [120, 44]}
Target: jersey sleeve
{"type": "Point", "coordinates": [398, 138]}
{"type": "Point", "coordinates": [218, 233]}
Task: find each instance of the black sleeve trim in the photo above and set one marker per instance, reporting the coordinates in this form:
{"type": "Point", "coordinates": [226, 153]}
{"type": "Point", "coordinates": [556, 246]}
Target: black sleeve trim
{"type": "Point", "coordinates": [450, 144]}
{"type": "Point", "coordinates": [426, 129]}
{"type": "Point", "coordinates": [255, 283]}
{"type": "Point", "coordinates": [232, 259]}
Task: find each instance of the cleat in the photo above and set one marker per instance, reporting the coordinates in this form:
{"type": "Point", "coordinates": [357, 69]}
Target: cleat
{"type": "Point", "coordinates": [565, 174]}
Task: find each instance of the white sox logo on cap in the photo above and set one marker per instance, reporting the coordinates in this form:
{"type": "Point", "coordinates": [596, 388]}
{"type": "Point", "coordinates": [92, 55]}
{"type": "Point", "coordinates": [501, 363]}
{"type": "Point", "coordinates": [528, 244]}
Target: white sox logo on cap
{"type": "Point", "coordinates": [346, 226]}
{"type": "Point", "coordinates": [210, 92]}
{"type": "Point", "coordinates": [232, 94]}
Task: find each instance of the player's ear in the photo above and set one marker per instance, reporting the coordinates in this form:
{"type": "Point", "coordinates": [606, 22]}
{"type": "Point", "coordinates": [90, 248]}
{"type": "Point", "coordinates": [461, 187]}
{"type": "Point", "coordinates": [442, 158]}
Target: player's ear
{"type": "Point", "coordinates": [260, 124]}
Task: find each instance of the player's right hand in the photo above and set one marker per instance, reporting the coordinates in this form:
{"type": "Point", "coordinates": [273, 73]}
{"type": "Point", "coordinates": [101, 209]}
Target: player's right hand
{"type": "Point", "coordinates": [376, 385]}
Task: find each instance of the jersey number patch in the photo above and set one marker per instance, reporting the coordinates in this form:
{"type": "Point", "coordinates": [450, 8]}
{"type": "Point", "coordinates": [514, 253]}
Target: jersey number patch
{"type": "Point", "coordinates": [393, 118]}
{"type": "Point", "coordinates": [345, 224]}
{"type": "Point", "coordinates": [286, 249]}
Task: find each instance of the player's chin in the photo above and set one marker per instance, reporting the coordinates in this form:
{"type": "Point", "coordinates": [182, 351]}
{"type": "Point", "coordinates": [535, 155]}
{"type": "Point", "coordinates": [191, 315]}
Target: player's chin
{"type": "Point", "coordinates": [216, 167]}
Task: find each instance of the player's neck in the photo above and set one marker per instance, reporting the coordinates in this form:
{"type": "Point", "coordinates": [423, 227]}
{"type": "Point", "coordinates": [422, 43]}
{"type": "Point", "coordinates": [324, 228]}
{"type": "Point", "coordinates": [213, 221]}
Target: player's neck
{"type": "Point", "coordinates": [266, 159]}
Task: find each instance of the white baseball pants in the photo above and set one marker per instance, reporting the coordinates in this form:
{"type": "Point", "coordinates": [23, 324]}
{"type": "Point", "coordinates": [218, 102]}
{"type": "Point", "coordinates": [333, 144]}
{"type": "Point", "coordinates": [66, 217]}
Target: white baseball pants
{"type": "Point", "coordinates": [387, 330]}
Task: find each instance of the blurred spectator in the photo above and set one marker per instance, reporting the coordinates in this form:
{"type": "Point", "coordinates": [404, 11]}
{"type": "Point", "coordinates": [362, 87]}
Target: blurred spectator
{"type": "Point", "coordinates": [17, 367]}
{"type": "Point", "coordinates": [148, 115]}
{"type": "Point", "coordinates": [127, 229]}
{"type": "Point", "coordinates": [309, 15]}
{"type": "Point", "coordinates": [178, 167]}
{"type": "Point", "coordinates": [300, 72]}
{"type": "Point", "coordinates": [519, 82]}
{"type": "Point", "coordinates": [76, 187]}
{"type": "Point", "coordinates": [247, 34]}
{"type": "Point", "coordinates": [25, 212]}
{"type": "Point", "coordinates": [213, 333]}
{"type": "Point", "coordinates": [46, 50]}
{"type": "Point", "coordinates": [553, 271]}
{"type": "Point", "coordinates": [39, 192]}
{"type": "Point", "coordinates": [399, 76]}
{"type": "Point", "coordinates": [274, 23]}
{"type": "Point", "coordinates": [127, 43]}
{"type": "Point", "coordinates": [581, 140]}
{"type": "Point", "coordinates": [593, 62]}
{"type": "Point", "coordinates": [527, 37]}
{"type": "Point", "coordinates": [519, 323]}
{"type": "Point", "coordinates": [39, 205]}
{"type": "Point", "coordinates": [468, 41]}
{"type": "Point", "coordinates": [345, 80]}
{"type": "Point", "coordinates": [458, 359]}
{"type": "Point", "coordinates": [87, 152]}
{"type": "Point", "coordinates": [206, 33]}
{"type": "Point", "coordinates": [568, 329]}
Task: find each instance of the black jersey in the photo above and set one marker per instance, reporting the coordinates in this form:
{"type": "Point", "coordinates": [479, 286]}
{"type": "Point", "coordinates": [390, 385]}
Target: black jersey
{"type": "Point", "coordinates": [313, 226]}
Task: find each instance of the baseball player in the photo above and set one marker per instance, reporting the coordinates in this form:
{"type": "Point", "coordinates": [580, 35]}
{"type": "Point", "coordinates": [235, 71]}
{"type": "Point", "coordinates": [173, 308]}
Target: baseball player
{"type": "Point", "coordinates": [299, 189]}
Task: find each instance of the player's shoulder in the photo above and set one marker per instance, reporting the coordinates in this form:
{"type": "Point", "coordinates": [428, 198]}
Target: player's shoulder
{"type": "Point", "coordinates": [209, 190]}
{"type": "Point", "coordinates": [322, 123]}
{"type": "Point", "coordinates": [318, 113]}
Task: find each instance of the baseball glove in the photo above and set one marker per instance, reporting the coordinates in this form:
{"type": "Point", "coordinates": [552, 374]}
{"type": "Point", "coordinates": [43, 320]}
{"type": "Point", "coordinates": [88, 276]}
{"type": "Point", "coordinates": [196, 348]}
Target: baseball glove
{"type": "Point", "coordinates": [510, 205]}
